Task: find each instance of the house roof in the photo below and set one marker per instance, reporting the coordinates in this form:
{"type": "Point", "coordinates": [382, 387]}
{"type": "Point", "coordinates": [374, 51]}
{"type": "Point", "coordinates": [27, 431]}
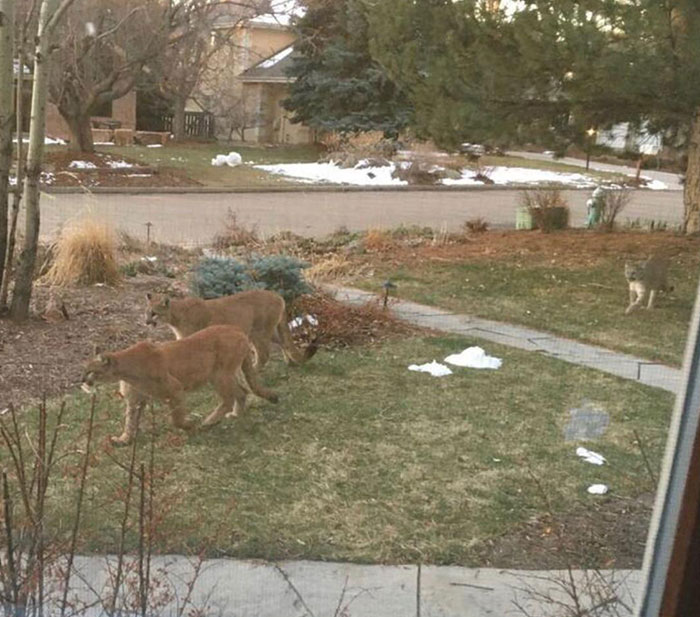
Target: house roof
{"type": "Point", "coordinates": [273, 69]}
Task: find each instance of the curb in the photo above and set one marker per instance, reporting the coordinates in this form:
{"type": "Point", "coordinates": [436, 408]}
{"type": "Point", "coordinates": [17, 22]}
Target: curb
{"type": "Point", "coordinates": [200, 190]}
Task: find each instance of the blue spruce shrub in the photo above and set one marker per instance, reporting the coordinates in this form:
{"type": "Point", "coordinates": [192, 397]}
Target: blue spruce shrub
{"type": "Point", "coordinates": [214, 277]}
{"type": "Point", "coordinates": [280, 273]}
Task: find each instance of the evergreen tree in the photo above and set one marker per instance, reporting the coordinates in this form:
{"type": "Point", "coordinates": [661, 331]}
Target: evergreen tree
{"type": "Point", "coordinates": [338, 87]}
{"type": "Point", "coordinates": [549, 71]}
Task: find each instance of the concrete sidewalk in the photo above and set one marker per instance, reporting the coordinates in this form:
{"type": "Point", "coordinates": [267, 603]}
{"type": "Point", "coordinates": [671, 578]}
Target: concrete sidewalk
{"type": "Point", "coordinates": [591, 356]}
{"type": "Point", "coordinates": [241, 588]}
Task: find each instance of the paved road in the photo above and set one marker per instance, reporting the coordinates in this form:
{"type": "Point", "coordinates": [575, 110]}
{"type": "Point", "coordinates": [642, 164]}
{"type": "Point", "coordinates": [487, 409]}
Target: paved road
{"type": "Point", "coordinates": [194, 218]}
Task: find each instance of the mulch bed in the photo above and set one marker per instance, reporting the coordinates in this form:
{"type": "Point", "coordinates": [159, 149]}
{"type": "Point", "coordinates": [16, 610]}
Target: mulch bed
{"type": "Point", "coordinates": [39, 358]}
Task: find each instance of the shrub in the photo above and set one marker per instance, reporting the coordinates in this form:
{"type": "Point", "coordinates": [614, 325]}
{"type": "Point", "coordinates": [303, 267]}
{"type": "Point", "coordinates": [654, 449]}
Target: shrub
{"type": "Point", "coordinates": [235, 233]}
{"type": "Point", "coordinates": [547, 207]}
{"type": "Point", "coordinates": [214, 277]}
{"type": "Point", "coordinates": [280, 273]}
{"type": "Point", "coordinates": [613, 201]}
{"type": "Point", "coordinates": [85, 255]}
{"type": "Point", "coordinates": [476, 225]}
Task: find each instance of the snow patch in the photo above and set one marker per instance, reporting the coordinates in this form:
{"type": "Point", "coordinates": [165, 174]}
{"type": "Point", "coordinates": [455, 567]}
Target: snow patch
{"type": "Point", "coordinates": [277, 58]}
{"type": "Point", "coordinates": [434, 368]}
{"type": "Point", "coordinates": [82, 165]}
{"type": "Point", "coordinates": [232, 159]}
{"type": "Point", "coordinates": [474, 357]}
{"type": "Point", "coordinates": [119, 164]}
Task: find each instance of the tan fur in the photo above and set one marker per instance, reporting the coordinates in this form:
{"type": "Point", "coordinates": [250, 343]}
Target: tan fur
{"type": "Point", "coordinates": [219, 355]}
{"type": "Point", "coordinates": [260, 314]}
{"type": "Point", "coordinates": [646, 278]}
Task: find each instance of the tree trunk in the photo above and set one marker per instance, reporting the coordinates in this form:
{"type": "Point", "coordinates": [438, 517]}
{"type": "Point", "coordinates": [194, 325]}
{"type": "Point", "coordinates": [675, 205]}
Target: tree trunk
{"type": "Point", "coordinates": [691, 191]}
{"type": "Point", "coordinates": [80, 132]}
{"type": "Point", "coordinates": [17, 198]}
{"type": "Point", "coordinates": [179, 119]}
{"type": "Point", "coordinates": [7, 26]}
{"type": "Point", "coordinates": [24, 278]}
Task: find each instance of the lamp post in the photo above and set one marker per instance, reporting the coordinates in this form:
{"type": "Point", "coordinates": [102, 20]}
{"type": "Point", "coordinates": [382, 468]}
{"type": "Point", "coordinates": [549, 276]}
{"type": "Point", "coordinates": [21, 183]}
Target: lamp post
{"type": "Point", "coordinates": [590, 132]}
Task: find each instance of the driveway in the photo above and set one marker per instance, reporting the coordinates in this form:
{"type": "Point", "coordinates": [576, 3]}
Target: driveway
{"type": "Point", "coordinates": [192, 219]}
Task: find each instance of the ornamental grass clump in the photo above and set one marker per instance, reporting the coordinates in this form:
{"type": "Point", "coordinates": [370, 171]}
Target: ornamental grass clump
{"type": "Point", "coordinates": [85, 255]}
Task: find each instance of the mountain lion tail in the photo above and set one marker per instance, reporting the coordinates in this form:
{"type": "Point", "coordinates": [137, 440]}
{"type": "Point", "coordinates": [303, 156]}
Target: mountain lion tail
{"type": "Point", "coordinates": [251, 377]}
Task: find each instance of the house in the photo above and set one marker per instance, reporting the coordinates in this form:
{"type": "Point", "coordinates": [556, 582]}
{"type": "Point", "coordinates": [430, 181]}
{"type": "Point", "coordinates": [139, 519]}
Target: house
{"type": "Point", "coordinates": [247, 82]}
{"type": "Point", "coordinates": [265, 86]}
{"type": "Point", "coordinates": [623, 137]}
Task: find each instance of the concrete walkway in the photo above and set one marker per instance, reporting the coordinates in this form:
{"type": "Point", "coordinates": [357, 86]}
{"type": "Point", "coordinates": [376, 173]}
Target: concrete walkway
{"type": "Point", "coordinates": [240, 588]}
{"type": "Point", "coordinates": [591, 356]}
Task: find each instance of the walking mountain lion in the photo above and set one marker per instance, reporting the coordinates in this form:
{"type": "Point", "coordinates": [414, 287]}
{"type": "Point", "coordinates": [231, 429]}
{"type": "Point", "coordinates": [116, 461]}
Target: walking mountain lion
{"type": "Point", "coordinates": [220, 355]}
{"type": "Point", "coordinates": [646, 278]}
{"type": "Point", "coordinates": [259, 313]}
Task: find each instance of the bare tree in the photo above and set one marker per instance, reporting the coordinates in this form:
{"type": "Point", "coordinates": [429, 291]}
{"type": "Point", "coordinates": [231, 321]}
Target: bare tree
{"type": "Point", "coordinates": [103, 47]}
{"type": "Point", "coordinates": [233, 112]}
{"type": "Point", "coordinates": [182, 68]}
{"type": "Point", "coordinates": [7, 23]}
{"type": "Point", "coordinates": [50, 14]}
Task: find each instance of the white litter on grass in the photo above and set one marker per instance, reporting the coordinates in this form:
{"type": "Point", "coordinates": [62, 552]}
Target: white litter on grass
{"type": "Point", "coordinates": [434, 368]}
{"type": "Point", "coordinates": [154, 146]}
{"type": "Point", "coordinates": [85, 388]}
{"type": "Point", "coordinates": [232, 159]}
{"type": "Point", "coordinates": [590, 457]}
{"type": "Point", "coordinates": [597, 489]}
{"type": "Point", "coordinates": [82, 165]}
{"type": "Point", "coordinates": [474, 357]}
{"type": "Point", "coordinates": [138, 175]}
{"type": "Point", "coordinates": [103, 143]}
{"type": "Point", "coordinates": [148, 258]}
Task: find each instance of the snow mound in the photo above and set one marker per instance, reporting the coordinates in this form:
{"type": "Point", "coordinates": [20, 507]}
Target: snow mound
{"type": "Point", "coordinates": [597, 489]}
{"type": "Point", "coordinates": [434, 368]}
{"type": "Point", "coordinates": [474, 357]}
{"type": "Point", "coordinates": [232, 159]}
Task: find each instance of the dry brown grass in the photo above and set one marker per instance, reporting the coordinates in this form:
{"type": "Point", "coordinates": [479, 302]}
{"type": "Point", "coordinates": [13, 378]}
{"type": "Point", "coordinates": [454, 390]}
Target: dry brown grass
{"type": "Point", "coordinates": [378, 240]}
{"type": "Point", "coordinates": [333, 268]}
{"type": "Point", "coordinates": [85, 255]}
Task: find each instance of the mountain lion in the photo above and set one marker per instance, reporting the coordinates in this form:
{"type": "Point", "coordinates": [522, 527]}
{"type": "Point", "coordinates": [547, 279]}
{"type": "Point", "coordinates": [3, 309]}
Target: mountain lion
{"type": "Point", "coordinates": [646, 277]}
{"type": "Point", "coordinates": [219, 355]}
{"type": "Point", "coordinates": [260, 314]}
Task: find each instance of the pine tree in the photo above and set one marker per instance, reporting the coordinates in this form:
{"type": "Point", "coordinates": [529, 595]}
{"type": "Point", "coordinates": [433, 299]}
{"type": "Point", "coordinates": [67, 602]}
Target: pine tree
{"type": "Point", "coordinates": [549, 71]}
{"type": "Point", "coordinates": [338, 87]}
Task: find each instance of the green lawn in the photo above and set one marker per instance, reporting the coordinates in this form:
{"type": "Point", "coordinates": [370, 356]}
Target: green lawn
{"type": "Point", "coordinates": [584, 302]}
{"type": "Point", "coordinates": [195, 160]}
{"type": "Point", "coordinates": [365, 461]}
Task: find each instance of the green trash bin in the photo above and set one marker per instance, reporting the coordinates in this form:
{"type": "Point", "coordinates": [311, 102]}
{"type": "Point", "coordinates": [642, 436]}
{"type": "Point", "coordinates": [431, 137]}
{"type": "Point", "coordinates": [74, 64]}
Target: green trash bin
{"type": "Point", "coordinates": [523, 218]}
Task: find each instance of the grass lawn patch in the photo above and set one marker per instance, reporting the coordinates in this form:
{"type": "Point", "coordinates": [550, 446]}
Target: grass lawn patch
{"type": "Point", "coordinates": [195, 160]}
{"type": "Point", "coordinates": [570, 283]}
{"type": "Point", "coordinates": [365, 461]}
